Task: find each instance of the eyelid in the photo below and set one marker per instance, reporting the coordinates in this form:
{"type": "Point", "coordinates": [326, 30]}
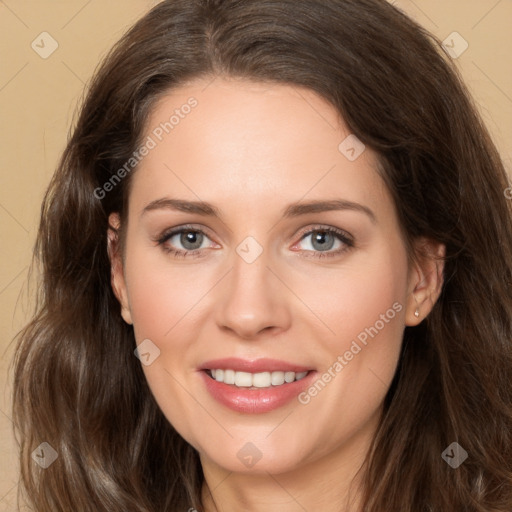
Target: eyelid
{"type": "Point", "coordinates": [346, 239]}
{"type": "Point", "coordinates": [323, 227]}
{"type": "Point", "coordinates": [343, 236]}
{"type": "Point", "coordinates": [168, 233]}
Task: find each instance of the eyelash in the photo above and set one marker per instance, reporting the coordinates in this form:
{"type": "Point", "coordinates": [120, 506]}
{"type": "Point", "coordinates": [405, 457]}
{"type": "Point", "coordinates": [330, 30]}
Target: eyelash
{"type": "Point", "coordinates": [341, 235]}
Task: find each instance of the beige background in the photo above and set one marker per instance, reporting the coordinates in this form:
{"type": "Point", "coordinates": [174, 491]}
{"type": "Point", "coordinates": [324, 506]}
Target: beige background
{"type": "Point", "coordinates": [38, 97]}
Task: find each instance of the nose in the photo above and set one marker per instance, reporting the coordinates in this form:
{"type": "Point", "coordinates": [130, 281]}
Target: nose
{"type": "Point", "coordinates": [253, 299]}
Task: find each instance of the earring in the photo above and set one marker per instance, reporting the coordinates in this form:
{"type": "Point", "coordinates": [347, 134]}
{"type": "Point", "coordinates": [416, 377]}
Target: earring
{"type": "Point", "coordinates": [417, 313]}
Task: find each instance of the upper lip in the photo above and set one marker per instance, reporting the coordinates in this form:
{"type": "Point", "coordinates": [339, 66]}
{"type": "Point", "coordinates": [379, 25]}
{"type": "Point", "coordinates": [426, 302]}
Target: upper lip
{"type": "Point", "coordinates": [254, 366]}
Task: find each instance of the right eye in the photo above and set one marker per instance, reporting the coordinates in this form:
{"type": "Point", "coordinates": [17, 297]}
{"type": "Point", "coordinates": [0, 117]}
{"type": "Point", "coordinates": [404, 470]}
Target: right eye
{"type": "Point", "coordinates": [190, 238]}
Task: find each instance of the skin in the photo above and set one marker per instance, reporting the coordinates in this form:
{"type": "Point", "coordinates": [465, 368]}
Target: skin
{"type": "Point", "coordinates": [251, 149]}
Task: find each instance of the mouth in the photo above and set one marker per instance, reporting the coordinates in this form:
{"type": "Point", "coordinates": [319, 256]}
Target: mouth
{"type": "Point", "coordinates": [258, 380]}
{"type": "Point", "coordinates": [254, 386]}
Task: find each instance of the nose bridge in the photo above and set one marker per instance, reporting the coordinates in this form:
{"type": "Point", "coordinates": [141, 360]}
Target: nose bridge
{"type": "Point", "coordinates": [253, 298]}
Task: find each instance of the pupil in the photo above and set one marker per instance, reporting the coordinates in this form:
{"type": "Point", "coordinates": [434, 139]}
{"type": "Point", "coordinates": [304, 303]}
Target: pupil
{"type": "Point", "coordinates": [320, 238]}
{"type": "Point", "coordinates": [190, 237]}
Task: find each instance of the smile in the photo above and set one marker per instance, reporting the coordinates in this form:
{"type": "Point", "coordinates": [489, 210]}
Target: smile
{"type": "Point", "coordinates": [254, 386]}
{"type": "Point", "coordinates": [255, 380]}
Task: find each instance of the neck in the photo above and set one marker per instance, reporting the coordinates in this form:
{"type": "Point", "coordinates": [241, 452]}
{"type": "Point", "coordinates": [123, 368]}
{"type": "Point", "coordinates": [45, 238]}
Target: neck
{"type": "Point", "coordinates": [331, 483]}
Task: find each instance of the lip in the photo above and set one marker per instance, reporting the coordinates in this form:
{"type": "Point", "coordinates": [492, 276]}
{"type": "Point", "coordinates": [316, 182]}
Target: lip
{"type": "Point", "coordinates": [256, 366]}
{"type": "Point", "coordinates": [254, 401]}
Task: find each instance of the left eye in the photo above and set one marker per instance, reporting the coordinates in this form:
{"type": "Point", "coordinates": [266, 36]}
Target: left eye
{"type": "Point", "coordinates": [190, 239]}
{"type": "Point", "coordinates": [324, 240]}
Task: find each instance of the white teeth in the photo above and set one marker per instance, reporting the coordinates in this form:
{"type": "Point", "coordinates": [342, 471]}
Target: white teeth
{"type": "Point", "coordinates": [261, 380]}
{"type": "Point", "coordinates": [229, 376]}
{"type": "Point", "coordinates": [243, 379]}
{"type": "Point", "coordinates": [258, 380]}
{"type": "Point", "coordinates": [289, 376]}
{"type": "Point", "coordinates": [277, 378]}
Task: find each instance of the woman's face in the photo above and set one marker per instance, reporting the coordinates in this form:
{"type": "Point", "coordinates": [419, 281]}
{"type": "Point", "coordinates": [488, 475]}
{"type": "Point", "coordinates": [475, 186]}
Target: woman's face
{"type": "Point", "coordinates": [293, 262]}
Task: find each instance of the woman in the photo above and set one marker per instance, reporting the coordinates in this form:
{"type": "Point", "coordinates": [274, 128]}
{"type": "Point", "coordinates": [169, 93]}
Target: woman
{"type": "Point", "coordinates": [337, 336]}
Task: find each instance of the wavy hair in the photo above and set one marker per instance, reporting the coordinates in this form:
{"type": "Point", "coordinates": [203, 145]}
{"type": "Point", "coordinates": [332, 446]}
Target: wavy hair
{"type": "Point", "coordinates": [77, 384]}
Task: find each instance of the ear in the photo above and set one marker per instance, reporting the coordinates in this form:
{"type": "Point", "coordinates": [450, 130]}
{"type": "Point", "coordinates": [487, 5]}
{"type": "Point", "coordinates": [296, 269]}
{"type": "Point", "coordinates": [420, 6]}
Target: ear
{"type": "Point", "coordinates": [425, 280]}
{"type": "Point", "coordinates": [117, 278]}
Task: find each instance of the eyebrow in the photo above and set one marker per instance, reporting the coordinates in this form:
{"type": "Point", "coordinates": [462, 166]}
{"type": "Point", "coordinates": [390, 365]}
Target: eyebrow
{"type": "Point", "coordinates": [291, 211]}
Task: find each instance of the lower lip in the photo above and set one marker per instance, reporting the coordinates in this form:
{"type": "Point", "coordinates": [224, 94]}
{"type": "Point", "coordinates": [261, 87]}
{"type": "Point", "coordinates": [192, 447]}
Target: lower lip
{"type": "Point", "coordinates": [253, 401]}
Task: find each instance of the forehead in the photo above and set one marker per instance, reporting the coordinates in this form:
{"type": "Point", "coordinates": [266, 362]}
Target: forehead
{"type": "Point", "coordinates": [251, 143]}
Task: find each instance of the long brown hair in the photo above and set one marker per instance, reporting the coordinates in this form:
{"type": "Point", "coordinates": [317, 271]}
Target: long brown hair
{"type": "Point", "coordinates": [77, 384]}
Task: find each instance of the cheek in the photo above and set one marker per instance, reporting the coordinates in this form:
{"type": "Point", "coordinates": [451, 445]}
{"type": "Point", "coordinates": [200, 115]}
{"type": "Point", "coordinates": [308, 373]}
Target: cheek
{"type": "Point", "coordinates": [367, 318]}
{"type": "Point", "coordinates": [165, 300]}
{"type": "Point", "coordinates": [169, 304]}
{"type": "Point", "coordinates": [361, 300]}
{"type": "Point", "coordinates": [363, 305]}
{"type": "Point", "coordinates": [162, 295]}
